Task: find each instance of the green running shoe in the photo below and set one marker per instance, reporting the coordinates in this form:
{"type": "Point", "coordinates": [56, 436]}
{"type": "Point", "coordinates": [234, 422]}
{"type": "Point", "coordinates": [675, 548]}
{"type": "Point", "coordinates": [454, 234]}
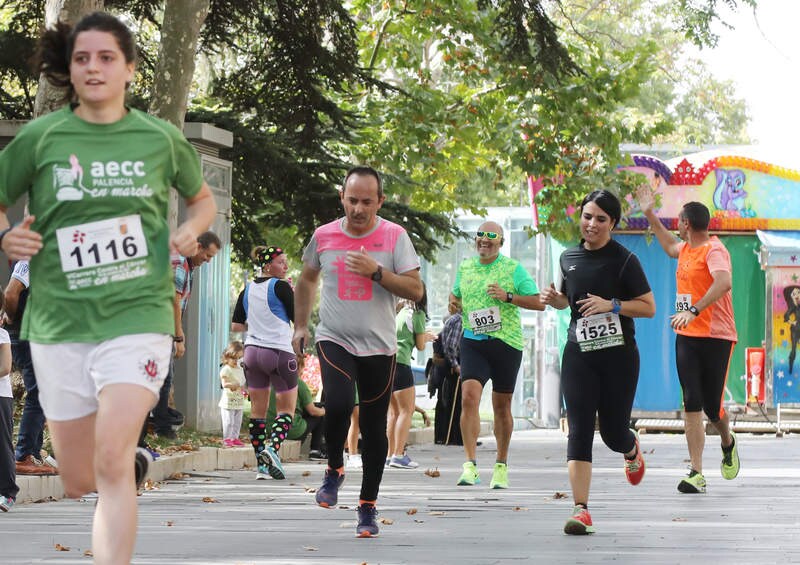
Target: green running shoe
{"type": "Point", "coordinates": [499, 476]}
{"type": "Point", "coordinates": [695, 483]}
{"type": "Point", "coordinates": [730, 460]}
{"type": "Point", "coordinates": [469, 476]}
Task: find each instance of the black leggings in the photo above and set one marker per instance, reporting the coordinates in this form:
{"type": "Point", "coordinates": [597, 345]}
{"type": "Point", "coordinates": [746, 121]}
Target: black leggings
{"type": "Point", "coordinates": [601, 383]}
{"type": "Point", "coordinates": [373, 375]}
{"type": "Point", "coordinates": [703, 369]}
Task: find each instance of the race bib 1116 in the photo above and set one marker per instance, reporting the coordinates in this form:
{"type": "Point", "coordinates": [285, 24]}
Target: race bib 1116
{"type": "Point", "coordinates": [97, 253]}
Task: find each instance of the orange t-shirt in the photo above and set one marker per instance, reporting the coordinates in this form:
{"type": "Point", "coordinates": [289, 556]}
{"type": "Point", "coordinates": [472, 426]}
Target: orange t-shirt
{"type": "Point", "coordinates": [693, 278]}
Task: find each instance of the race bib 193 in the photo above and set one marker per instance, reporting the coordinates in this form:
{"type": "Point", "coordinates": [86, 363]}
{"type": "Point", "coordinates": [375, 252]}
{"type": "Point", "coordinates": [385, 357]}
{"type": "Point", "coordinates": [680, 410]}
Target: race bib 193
{"type": "Point", "coordinates": [485, 320]}
{"type": "Point", "coordinates": [105, 251]}
{"type": "Point", "coordinates": [599, 331]}
{"type": "Point", "coordinates": [683, 302]}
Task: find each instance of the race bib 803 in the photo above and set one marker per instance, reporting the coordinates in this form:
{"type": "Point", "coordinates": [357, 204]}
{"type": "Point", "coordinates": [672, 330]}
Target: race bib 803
{"type": "Point", "coordinates": [485, 320]}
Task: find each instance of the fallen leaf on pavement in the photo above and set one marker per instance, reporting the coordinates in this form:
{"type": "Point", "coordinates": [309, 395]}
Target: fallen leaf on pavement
{"type": "Point", "coordinates": [679, 519]}
{"type": "Point", "coordinates": [519, 508]}
{"type": "Point", "coordinates": [311, 489]}
{"type": "Point", "coordinates": [558, 495]}
{"type": "Point", "coordinates": [387, 521]}
{"type": "Point", "coordinates": [419, 521]}
{"type": "Point", "coordinates": [210, 499]}
{"type": "Point", "coordinates": [306, 473]}
{"type": "Point", "coordinates": [411, 511]}
{"type": "Point", "coordinates": [310, 548]}
{"type": "Point", "coordinates": [60, 547]}
{"type": "Point", "coordinates": [343, 507]}
{"type": "Point", "coordinates": [169, 523]}
{"type": "Point", "coordinates": [88, 553]}
{"type": "Point", "coordinates": [436, 513]}
{"type": "Point", "coordinates": [433, 473]}
{"type": "Point", "coordinates": [177, 476]}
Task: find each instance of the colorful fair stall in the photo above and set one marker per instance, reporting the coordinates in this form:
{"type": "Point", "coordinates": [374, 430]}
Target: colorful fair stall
{"type": "Point", "coordinates": [747, 198]}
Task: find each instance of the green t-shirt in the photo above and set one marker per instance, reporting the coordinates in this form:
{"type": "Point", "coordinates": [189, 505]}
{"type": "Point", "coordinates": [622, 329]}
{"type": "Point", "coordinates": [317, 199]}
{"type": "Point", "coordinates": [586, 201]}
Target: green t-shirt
{"type": "Point", "coordinates": [473, 278]}
{"type": "Point", "coordinates": [409, 324]}
{"type": "Point", "coordinates": [100, 194]}
{"type": "Point", "coordinates": [299, 425]}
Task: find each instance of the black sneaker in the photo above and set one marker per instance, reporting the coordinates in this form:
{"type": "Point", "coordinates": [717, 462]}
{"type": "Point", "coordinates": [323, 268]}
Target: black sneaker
{"type": "Point", "coordinates": [167, 434]}
{"type": "Point", "coordinates": [367, 523]}
{"type": "Point", "coordinates": [141, 465]}
{"type": "Point", "coordinates": [317, 455]}
{"type": "Point", "coordinates": [175, 417]}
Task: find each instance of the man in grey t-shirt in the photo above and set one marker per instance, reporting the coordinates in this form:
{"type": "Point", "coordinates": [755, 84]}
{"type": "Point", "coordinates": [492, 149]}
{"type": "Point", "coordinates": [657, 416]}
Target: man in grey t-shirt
{"type": "Point", "coordinates": [366, 262]}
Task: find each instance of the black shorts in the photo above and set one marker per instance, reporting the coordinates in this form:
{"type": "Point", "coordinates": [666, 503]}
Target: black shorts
{"type": "Point", "coordinates": [403, 377]}
{"type": "Point", "coordinates": [703, 369]}
{"type": "Point", "coordinates": [484, 359]}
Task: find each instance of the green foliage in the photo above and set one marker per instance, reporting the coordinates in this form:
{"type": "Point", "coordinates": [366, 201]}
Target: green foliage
{"type": "Point", "coordinates": [455, 102]}
{"type": "Point", "coordinates": [697, 17]}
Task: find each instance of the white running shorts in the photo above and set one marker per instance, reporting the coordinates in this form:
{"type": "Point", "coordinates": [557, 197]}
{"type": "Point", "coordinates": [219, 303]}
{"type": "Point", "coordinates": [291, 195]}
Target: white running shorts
{"type": "Point", "coordinates": [71, 375]}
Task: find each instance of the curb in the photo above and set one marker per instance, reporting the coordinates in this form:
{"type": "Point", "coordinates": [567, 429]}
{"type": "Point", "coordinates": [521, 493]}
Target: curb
{"type": "Point", "coordinates": [33, 488]}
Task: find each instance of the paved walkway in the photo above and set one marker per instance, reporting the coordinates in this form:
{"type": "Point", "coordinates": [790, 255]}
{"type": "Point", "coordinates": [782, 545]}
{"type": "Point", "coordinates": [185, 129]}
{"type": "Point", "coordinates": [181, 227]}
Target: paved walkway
{"type": "Point", "coordinates": [228, 517]}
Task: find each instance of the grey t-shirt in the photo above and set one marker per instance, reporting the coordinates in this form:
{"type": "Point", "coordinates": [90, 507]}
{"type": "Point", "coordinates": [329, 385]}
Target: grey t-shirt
{"type": "Point", "coordinates": [356, 312]}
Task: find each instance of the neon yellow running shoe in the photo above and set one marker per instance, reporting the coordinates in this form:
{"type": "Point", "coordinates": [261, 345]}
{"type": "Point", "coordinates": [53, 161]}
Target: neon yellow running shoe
{"type": "Point", "coordinates": [695, 483]}
{"type": "Point", "coordinates": [730, 460]}
{"type": "Point", "coordinates": [469, 476]}
{"type": "Point", "coordinates": [499, 476]}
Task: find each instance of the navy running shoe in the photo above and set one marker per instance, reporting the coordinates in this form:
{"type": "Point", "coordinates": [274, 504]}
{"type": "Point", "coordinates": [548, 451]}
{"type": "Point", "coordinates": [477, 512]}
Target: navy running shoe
{"type": "Point", "coordinates": [328, 494]}
{"type": "Point", "coordinates": [367, 523]}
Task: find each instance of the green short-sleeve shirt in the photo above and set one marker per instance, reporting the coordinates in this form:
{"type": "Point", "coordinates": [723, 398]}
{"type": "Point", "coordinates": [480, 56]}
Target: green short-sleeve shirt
{"type": "Point", "coordinates": [100, 194]}
{"type": "Point", "coordinates": [474, 277]}
{"type": "Point", "coordinates": [409, 323]}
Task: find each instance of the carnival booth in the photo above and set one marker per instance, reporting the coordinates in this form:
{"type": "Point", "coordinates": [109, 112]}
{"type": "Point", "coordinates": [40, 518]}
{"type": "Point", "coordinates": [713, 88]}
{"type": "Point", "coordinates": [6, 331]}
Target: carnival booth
{"type": "Point", "coordinates": [780, 251]}
{"type": "Point", "coordinates": [754, 211]}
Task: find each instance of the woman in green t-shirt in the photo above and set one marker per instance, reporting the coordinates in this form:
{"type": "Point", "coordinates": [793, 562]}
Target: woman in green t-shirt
{"type": "Point", "coordinates": [99, 316]}
{"type": "Point", "coordinates": [411, 333]}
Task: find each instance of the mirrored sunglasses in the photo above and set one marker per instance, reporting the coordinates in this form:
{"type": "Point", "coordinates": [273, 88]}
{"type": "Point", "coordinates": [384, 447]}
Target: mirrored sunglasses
{"type": "Point", "coordinates": [488, 234]}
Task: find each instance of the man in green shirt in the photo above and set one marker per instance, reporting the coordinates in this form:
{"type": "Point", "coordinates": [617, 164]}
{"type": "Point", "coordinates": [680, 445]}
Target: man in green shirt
{"type": "Point", "coordinates": [490, 289]}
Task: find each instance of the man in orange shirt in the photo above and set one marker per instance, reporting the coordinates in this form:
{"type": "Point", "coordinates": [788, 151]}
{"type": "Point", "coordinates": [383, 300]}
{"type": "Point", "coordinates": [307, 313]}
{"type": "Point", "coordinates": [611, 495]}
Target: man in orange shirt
{"type": "Point", "coordinates": [706, 332]}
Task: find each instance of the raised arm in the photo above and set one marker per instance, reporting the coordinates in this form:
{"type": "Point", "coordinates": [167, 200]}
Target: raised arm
{"type": "Point", "coordinates": [665, 238]}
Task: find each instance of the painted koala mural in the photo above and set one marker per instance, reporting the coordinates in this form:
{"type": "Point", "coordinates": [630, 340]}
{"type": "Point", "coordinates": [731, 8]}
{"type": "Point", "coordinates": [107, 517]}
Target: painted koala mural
{"type": "Point", "coordinates": [729, 193]}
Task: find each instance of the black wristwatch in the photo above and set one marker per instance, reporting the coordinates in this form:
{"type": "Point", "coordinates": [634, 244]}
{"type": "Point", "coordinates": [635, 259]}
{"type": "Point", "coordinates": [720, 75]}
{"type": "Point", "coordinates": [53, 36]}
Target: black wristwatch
{"type": "Point", "coordinates": [694, 310]}
{"type": "Point", "coordinates": [509, 297]}
{"type": "Point", "coordinates": [377, 275]}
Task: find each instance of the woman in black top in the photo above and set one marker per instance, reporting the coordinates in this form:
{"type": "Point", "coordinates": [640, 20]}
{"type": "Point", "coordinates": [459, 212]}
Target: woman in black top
{"type": "Point", "coordinates": [604, 286]}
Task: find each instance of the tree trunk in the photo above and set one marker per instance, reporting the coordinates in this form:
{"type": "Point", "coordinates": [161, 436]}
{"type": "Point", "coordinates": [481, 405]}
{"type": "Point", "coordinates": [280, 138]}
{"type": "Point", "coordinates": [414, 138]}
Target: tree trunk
{"type": "Point", "coordinates": [173, 77]}
{"type": "Point", "coordinates": [176, 55]}
{"type": "Point", "coordinates": [48, 97]}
